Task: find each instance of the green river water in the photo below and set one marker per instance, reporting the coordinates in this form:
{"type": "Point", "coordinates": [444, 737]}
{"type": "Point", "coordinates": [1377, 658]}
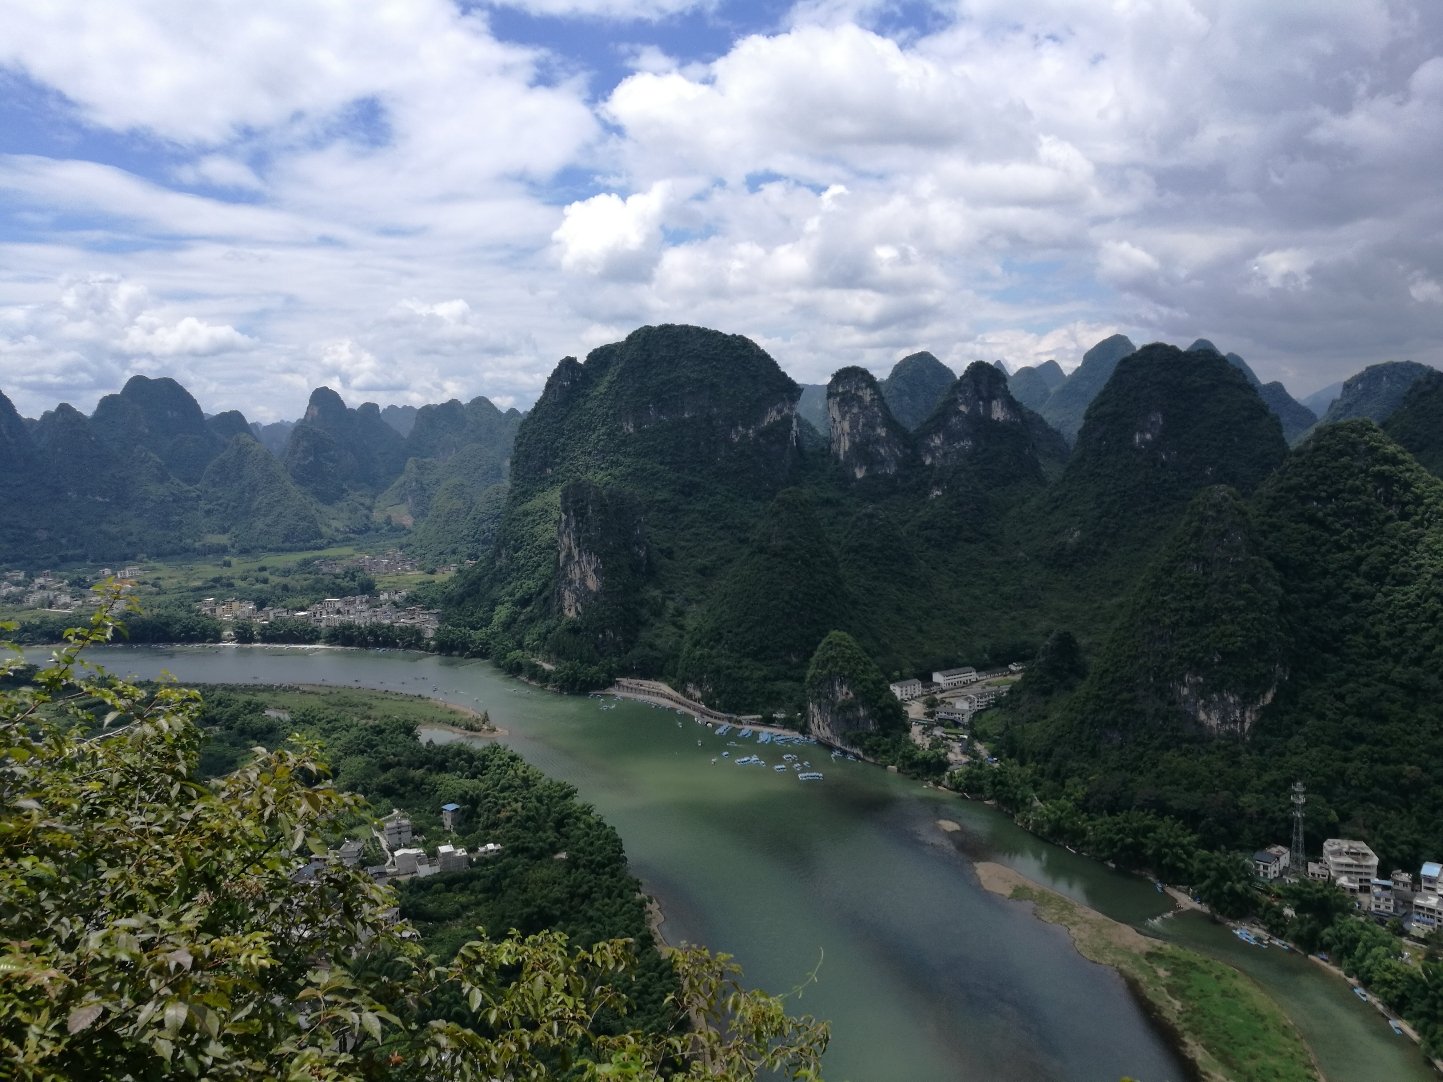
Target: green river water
{"type": "Point", "coordinates": [925, 976]}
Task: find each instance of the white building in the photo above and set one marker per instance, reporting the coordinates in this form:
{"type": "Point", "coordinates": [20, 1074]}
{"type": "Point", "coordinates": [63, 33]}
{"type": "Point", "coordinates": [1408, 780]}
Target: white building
{"type": "Point", "coordinates": [1345, 857]}
{"type": "Point", "coordinates": [1271, 863]}
{"type": "Point", "coordinates": [490, 849]}
{"type": "Point", "coordinates": [955, 678]}
{"type": "Point", "coordinates": [1318, 870]}
{"type": "Point", "coordinates": [906, 690]}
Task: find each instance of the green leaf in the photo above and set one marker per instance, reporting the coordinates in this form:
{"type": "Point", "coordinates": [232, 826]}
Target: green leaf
{"type": "Point", "coordinates": [83, 1017]}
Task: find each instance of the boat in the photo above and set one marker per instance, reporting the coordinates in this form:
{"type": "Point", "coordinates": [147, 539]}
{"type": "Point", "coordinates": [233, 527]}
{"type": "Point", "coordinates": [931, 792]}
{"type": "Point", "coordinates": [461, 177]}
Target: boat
{"type": "Point", "coordinates": [1395, 1026]}
{"type": "Point", "coordinates": [1157, 885]}
{"type": "Point", "coordinates": [780, 768]}
{"type": "Point", "coordinates": [810, 775]}
{"type": "Point", "coordinates": [1360, 994]}
{"type": "Point", "coordinates": [713, 759]}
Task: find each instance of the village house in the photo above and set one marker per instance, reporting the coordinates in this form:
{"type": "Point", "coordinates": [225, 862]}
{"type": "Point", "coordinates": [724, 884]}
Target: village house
{"type": "Point", "coordinates": [906, 690]}
{"type": "Point", "coordinates": [408, 860]}
{"type": "Point", "coordinates": [1429, 875]}
{"type": "Point", "coordinates": [1402, 881]}
{"type": "Point", "coordinates": [1427, 911]}
{"type": "Point", "coordinates": [450, 816]}
{"type": "Point", "coordinates": [1381, 897]}
{"type": "Point", "coordinates": [396, 829]}
{"type": "Point", "coordinates": [1318, 871]}
{"type": "Point", "coordinates": [954, 678]}
{"type": "Point", "coordinates": [453, 859]}
{"type": "Point", "coordinates": [1271, 863]}
{"type": "Point", "coordinates": [1346, 857]}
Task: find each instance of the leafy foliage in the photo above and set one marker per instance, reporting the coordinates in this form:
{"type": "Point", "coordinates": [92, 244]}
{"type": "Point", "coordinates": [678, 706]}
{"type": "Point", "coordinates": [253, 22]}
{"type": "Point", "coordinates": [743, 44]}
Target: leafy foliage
{"type": "Point", "coordinates": [154, 925]}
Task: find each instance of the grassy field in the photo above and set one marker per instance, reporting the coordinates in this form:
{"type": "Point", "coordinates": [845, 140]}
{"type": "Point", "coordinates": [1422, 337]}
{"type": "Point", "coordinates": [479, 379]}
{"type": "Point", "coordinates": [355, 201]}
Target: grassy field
{"type": "Point", "coordinates": [365, 704]}
{"type": "Point", "coordinates": [1224, 1022]}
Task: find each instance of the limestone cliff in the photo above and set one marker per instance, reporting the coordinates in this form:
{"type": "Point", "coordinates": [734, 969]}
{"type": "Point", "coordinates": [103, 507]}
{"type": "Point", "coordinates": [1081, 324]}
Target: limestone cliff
{"type": "Point", "coordinates": [601, 548]}
{"type": "Point", "coordinates": [866, 441]}
{"type": "Point", "coordinates": [846, 695]}
{"type": "Point", "coordinates": [981, 428]}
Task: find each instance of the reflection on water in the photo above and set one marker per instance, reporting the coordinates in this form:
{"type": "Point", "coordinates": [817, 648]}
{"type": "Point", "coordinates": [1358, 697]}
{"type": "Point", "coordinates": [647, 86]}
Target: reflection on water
{"type": "Point", "coordinates": [924, 975]}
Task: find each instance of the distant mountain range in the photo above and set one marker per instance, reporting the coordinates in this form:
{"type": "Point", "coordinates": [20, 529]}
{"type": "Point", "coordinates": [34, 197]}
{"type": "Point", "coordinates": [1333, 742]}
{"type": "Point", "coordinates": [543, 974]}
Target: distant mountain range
{"type": "Point", "coordinates": [148, 473]}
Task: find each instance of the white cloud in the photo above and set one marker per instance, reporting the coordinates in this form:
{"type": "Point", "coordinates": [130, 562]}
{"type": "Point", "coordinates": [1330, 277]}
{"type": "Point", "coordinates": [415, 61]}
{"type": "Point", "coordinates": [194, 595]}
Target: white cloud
{"type": "Point", "coordinates": [614, 237]}
{"type": "Point", "coordinates": [413, 208]}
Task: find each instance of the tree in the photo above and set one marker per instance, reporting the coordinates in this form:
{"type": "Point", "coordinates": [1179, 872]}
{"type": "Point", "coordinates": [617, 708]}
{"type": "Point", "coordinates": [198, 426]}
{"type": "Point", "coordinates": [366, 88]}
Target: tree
{"type": "Point", "coordinates": [155, 925]}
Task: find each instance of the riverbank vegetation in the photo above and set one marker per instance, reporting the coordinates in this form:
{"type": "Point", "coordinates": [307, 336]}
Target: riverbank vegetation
{"type": "Point", "coordinates": [1228, 1028]}
{"type": "Point", "coordinates": [159, 922]}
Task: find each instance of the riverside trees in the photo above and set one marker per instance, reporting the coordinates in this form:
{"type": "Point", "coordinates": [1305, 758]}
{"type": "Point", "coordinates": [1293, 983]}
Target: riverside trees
{"type": "Point", "coordinates": [152, 924]}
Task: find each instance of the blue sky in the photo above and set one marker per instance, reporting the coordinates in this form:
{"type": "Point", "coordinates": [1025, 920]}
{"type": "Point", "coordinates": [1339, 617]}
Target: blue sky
{"type": "Point", "coordinates": [439, 200]}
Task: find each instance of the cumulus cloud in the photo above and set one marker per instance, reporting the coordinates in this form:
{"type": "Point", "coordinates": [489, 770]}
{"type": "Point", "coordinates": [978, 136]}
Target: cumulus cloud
{"type": "Point", "coordinates": [413, 207]}
{"type": "Point", "coordinates": [613, 237]}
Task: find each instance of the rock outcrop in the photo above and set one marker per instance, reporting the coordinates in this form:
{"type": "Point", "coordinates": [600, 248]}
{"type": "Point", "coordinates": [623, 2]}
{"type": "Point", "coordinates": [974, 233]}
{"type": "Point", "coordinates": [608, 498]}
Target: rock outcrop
{"type": "Point", "coordinates": [866, 440]}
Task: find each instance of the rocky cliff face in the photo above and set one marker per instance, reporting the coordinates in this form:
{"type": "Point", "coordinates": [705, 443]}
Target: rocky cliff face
{"type": "Point", "coordinates": [601, 549]}
{"type": "Point", "coordinates": [866, 441]}
{"type": "Point", "coordinates": [981, 429]}
{"type": "Point", "coordinates": [1375, 392]}
{"type": "Point", "coordinates": [846, 695]}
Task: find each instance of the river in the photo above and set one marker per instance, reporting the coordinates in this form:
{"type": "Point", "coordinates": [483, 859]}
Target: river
{"type": "Point", "coordinates": [844, 889]}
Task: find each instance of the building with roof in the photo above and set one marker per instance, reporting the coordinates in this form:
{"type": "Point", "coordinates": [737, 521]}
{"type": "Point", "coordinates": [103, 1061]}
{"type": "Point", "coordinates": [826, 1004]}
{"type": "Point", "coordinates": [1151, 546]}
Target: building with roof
{"type": "Point", "coordinates": [1427, 912]}
{"type": "Point", "coordinates": [906, 690]}
{"type": "Point", "coordinates": [1271, 863]}
{"type": "Point", "coordinates": [1347, 857]}
{"type": "Point", "coordinates": [408, 860]}
{"type": "Point", "coordinates": [396, 829]}
{"type": "Point", "coordinates": [954, 678]}
{"type": "Point", "coordinates": [453, 859]}
{"type": "Point", "coordinates": [1381, 897]}
{"type": "Point", "coordinates": [1429, 875]}
{"type": "Point", "coordinates": [451, 816]}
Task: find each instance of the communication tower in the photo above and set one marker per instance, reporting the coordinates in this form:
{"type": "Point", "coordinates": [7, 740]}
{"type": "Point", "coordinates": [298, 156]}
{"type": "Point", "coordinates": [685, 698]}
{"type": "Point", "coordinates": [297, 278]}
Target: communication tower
{"type": "Point", "coordinates": [1299, 856]}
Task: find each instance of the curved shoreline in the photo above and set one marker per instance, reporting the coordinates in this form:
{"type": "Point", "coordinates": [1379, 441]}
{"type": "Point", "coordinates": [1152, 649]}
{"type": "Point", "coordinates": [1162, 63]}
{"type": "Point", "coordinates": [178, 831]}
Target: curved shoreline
{"type": "Point", "coordinates": [1144, 964]}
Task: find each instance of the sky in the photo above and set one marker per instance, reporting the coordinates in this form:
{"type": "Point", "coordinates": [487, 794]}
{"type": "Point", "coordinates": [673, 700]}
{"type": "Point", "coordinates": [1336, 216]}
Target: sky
{"type": "Point", "coordinates": [414, 200]}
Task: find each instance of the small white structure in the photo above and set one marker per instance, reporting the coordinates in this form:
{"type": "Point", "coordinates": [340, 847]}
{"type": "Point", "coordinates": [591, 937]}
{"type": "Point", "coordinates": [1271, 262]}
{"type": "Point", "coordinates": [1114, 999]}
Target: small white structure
{"type": "Point", "coordinates": [408, 860]}
{"type": "Point", "coordinates": [1346, 857]}
{"type": "Point", "coordinates": [955, 678]}
{"type": "Point", "coordinates": [490, 849]}
{"type": "Point", "coordinates": [906, 690]}
{"type": "Point", "coordinates": [1271, 863]}
{"type": "Point", "coordinates": [453, 859]}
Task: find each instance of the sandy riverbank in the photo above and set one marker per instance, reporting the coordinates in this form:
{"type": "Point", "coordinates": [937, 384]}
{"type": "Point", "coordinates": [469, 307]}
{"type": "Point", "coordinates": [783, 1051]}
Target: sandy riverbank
{"type": "Point", "coordinates": [1219, 1020]}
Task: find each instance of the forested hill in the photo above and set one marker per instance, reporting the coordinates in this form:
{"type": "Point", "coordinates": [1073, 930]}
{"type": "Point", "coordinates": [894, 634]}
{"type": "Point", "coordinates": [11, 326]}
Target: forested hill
{"type": "Point", "coordinates": [1295, 633]}
{"type": "Point", "coordinates": [149, 474]}
{"type": "Point", "coordinates": [666, 520]}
